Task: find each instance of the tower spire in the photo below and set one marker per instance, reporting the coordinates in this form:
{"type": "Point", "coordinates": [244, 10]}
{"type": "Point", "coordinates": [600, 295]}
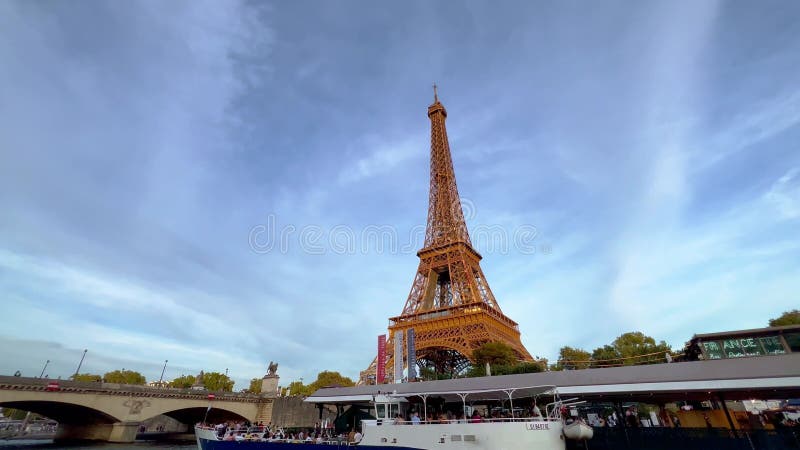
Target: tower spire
{"type": "Point", "coordinates": [446, 223]}
{"type": "Point", "coordinates": [435, 96]}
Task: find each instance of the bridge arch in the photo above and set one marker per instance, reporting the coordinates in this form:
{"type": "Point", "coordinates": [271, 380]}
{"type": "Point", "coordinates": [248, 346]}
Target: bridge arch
{"type": "Point", "coordinates": [193, 415]}
{"type": "Point", "coordinates": [63, 412]}
{"type": "Point", "coordinates": [104, 411]}
{"type": "Point", "coordinates": [190, 411]}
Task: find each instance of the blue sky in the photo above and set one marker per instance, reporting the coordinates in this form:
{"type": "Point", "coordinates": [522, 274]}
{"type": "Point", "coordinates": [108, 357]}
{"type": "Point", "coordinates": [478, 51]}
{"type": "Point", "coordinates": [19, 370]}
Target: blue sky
{"type": "Point", "coordinates": [149, 149]}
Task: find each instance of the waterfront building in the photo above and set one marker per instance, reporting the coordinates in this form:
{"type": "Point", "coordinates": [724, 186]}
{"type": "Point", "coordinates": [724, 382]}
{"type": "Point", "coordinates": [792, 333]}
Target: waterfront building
{"type": "Point", "coordinates": [744, 343]}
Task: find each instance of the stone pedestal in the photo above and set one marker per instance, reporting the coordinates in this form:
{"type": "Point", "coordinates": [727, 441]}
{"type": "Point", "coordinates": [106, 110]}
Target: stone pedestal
{"type": "Point", "coordinates": [109, 432]}
{"type": "Point", "coordinates": [269, 386]}
{"type": "Point", "coordinates": [123, 432]}
{"type": "Point", "coordinates": [264, 414]}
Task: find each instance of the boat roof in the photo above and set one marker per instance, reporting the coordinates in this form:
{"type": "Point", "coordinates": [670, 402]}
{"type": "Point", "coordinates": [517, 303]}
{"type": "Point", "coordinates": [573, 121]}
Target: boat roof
{"type": "Point", "coordinates": [754, 377]}
{"type": "Point", "coordinates": [746, 333]}
{"type": "Point", "coordinates": [488, 388]}
{"type": "Point", "coordinates": [483, 394]}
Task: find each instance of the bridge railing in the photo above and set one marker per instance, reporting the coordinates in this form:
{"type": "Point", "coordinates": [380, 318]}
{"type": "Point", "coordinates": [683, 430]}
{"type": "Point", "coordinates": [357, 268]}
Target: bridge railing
{"type": "Point", "coordinates": [28, 383]}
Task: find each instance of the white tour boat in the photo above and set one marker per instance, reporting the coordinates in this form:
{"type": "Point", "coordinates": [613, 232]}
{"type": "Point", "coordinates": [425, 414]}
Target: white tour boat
{"type": "Point", "coordinates": [395, 426]}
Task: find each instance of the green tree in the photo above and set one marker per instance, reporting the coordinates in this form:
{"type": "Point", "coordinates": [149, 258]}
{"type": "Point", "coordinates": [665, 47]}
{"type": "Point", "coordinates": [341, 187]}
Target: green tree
{"type": "Point", "coordinates": [255, 386]}
{"type": "Point", "coordinates": [427, 373]}
{"type": "Point", "coordinates": [124, 377]}
{"type": "Point", "coordinates": [630, 345]}
{"type": "Point", "coordinates": [86, 377]}
{"type": "Point", "coordinates": [629, 349]}
{"type": "Point", "coordinates": [606, 355]}
{"type": "Point", "coordinates": [297, 388]}
{"type": "Point", "coordinates": [327, 378]}
{"type": "Point", "coordinates": [572, 358]}
{"type": "Point", "coordinates": [502, 360]}
{"type": "Point", "coordinates": [182, 382]}
{"type": "Point", "coordinates": [787, 318]}
{"type": "Point", "coordinates": [495, 353]}
{"type": "Point", "coordinates": [215, 381]}
{"type": "Point", "coordinates": [523, 367]}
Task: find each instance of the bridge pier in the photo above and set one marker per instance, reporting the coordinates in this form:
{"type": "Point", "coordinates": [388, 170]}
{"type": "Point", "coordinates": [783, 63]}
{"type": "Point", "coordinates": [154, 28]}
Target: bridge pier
{"type": "Point", "coordinates": [109, 432]}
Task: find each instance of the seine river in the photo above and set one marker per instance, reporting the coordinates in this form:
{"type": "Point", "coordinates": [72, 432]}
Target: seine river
{"type": "Point", "coordinates": [143, 445]}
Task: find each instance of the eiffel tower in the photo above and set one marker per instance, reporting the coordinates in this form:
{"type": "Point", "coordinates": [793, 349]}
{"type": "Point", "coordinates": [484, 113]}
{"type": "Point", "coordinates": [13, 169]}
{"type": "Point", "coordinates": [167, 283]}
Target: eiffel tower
{"type": "Point", "coordinates": [451, 307]}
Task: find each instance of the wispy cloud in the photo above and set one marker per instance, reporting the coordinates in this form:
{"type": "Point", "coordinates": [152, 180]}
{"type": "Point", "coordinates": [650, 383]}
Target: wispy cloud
{"type": "Point", "coordinates": [785, 194]}
{"type": "Point", "coordinates": [381, 156]}
{"type": "Point", "coordinates": [762, 121]}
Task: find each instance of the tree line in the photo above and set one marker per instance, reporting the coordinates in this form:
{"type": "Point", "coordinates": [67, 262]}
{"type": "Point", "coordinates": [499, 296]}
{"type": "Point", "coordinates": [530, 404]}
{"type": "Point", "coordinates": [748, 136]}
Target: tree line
{"type": "Point", "coordinates": [212, 381]}
{"type": "Point", "coordinates": [632, 348]}
{"type": "Point", "coordinates": [500, 358]}
{"type": "Point", "coordinates": [626, 350]}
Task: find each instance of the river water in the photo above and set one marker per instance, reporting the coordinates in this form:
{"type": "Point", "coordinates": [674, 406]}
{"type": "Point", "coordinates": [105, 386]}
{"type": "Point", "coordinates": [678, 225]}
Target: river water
{"type": "Point", "coordinates": [141, 445]}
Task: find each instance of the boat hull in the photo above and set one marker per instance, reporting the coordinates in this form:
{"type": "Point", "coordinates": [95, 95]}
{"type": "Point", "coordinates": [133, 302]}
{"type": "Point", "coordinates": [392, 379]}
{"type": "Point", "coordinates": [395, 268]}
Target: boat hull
{"type": "Point", "coordinates": [207, 440]}
{"type": "Point", "coordinates": [539, 435]}
{"type": "Point", "coordinates": [516, 435]}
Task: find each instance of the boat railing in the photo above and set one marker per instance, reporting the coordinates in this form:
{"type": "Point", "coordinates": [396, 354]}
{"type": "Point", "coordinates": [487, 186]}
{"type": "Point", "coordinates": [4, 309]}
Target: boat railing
{"type": "Point", "coordinates": [553, 410]}
{"type": "Point", "coordinates": [379, 422]}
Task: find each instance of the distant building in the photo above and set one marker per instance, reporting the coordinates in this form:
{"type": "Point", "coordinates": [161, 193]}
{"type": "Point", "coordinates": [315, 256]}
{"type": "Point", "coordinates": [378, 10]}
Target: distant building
{"type": "Point", "coordinates": [744, 343]}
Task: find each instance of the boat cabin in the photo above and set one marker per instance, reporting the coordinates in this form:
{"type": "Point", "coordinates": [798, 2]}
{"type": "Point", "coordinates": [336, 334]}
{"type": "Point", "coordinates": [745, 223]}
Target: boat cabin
{"type": "Point", "coordinates": [387, 407]}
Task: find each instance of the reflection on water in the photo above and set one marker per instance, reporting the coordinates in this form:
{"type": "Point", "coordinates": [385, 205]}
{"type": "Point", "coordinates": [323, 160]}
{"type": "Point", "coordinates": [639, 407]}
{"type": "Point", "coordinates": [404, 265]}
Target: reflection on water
{"type": "Point", "coordinates": [141, 445]}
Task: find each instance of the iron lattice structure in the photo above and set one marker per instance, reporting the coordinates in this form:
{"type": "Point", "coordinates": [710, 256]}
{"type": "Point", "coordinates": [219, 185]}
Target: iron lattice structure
{"type": "Point", "coordinates": [450, 307]}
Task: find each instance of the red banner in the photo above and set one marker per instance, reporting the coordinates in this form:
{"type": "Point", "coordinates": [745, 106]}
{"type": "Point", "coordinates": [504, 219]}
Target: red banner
{"type": "Point", "coordinates": [380, 370]}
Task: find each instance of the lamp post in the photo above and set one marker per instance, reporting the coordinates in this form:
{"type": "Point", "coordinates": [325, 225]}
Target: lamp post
{"type": "Point", "coordinates": [80, 364]}
{"type": "Point", "coordinates": [162, 372]}
{"type": "Point", "coordinates": [43, 368]}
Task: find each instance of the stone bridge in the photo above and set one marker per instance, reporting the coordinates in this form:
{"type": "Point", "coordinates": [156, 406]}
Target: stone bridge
{"type": "Point", "coordinates": [113, 412]}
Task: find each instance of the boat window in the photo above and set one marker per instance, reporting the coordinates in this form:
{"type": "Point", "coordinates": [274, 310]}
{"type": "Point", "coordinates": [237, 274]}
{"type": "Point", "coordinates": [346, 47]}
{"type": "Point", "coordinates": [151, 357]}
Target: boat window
{"type": "Point", "coordinates": [380, 411]}
{"type": "Point", "coordinates": [793, 339]}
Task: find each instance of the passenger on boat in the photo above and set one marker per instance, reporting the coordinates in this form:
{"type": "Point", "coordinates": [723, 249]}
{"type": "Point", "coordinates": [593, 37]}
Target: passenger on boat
{"type": "Point", "coordinates": [476, 417]}
{"type": "Point", "coordinates": [415, 418]}
{"type": "Point", "coordinates": [358, 436]}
